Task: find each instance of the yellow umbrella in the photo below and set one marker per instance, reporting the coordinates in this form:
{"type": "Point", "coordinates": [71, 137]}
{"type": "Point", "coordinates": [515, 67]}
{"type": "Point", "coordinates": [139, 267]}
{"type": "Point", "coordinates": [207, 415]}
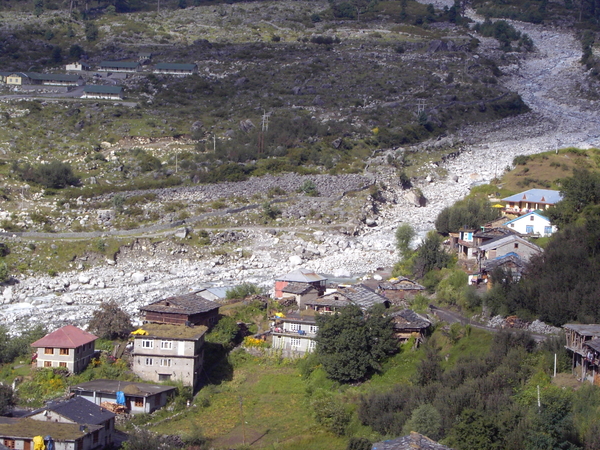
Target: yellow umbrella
{"type": "Point", "coordinates": [497, 205]}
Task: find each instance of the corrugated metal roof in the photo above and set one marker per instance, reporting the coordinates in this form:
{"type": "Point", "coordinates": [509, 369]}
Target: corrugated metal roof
{"type": "Point", "coordinates": [302, 276]}
{"type": "Point", "coordinates": [112, 386]}
{"type": "Point", "coordinates": [546, 196]}
{"type": "Point", "coordinates": [68, 336]}
{"type": "Point", "coordinates": [120, 64]}
{"type": "Point", "coordinates": [95, 89]}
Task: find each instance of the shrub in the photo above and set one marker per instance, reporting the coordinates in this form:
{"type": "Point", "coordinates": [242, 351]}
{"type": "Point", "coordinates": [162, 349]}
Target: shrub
{"type": "Point", "coordinates": [242, 291]}
{"type": "Point", "coordinates": [110, 321]}
{"type": "Point", "coordinates": [309, 188]}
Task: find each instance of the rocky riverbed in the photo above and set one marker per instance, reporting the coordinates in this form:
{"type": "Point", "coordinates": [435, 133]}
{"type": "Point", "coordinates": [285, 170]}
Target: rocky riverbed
{"type": "Point", "coordinates": [552, 83]}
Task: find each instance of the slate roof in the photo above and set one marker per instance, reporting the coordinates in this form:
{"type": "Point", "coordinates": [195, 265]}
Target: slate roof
{"type": "Point", "coordinates": [400, 284]}
{"type": "Point", "coordinates": [129, 387]}
{"type": "Point", "coordinates": [546, 196]}
{"type": "Point", "coordinates": [584, 330]}
{"type": "Point", "coordinates": [414, 441]}
{"type": "Point", "coordinates": [188, 304]}
{"type": "Point", "coordinates": [410, 319]}
{"type": "Point", "coordinates": [302, 276]}
{"type": "Point", "coordinates": [174, 66]}
{"type": "Point", "coordinates": [68, 336]}
{"type": "Point", "coordinates": [507, 240]}
{"type": "Point", "coordinates": [28, 428]}
{"type": "Point", "coordinates": [594, 344]}
{"type": "Point", "coordinates": [328, 300]}
{"type": "Point", "coordinates": [78, 410]}
{"type": "Point", "coordinates": [361, 295]}
{"type": "Point", "coordinates": [297, 318]}
{"type": "Point", "coordinates": [96, 89]}
{"type": "Point", "coordinates": [297, 288]}
{"type": "Point", "coordinates": [495, 233]}
{"type": "Point", "coordinates": [491, 264]}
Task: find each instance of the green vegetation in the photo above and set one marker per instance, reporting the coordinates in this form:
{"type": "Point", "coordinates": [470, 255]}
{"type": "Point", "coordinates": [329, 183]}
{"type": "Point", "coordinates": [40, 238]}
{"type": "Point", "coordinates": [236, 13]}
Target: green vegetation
{"type": "Point", "coordinates": [109, 321]}
{"type": "Point", "coordinates": [352, 344]}
{"type": "Point", "coordinates": [242, 291]}
{"type": "Point", "coordinates": [469, 213]}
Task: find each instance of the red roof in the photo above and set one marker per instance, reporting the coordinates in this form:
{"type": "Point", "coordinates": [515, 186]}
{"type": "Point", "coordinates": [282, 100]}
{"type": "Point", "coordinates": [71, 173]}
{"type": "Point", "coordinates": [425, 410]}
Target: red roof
{"type": "Point", "coordinates": [68, 336]}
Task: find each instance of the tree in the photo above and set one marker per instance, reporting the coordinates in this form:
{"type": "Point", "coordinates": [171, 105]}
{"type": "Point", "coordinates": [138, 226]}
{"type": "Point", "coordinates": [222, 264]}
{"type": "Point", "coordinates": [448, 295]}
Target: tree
{"type": "Point", "coordinates": [425, 420]}
{"type": "Point", "coordinates": [110, 321]}
{"type": "Point", "coordinates": [242, 291]}
{"type": "Point", "coordinates": [4, 272]}
{"type": "Point", "coordinates": [404, 235]}
{"type": "Point", "coordinates": [350, 345]}
{"type": "Point", "coordinates": [470, 213]}
{"type": "Point", "coordinates": [7, 399]}
{"type": "Point", "coordinates": [430, 255]}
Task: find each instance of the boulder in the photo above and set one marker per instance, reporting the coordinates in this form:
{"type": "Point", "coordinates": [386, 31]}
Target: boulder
{"type": "Point", "coordinates": [138, 277]}
{"type": "Point", "coordinates": [295, 260]}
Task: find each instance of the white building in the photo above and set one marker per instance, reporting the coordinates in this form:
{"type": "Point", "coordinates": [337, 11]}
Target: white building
{"type": "Point", "coordinates": [532, 223]}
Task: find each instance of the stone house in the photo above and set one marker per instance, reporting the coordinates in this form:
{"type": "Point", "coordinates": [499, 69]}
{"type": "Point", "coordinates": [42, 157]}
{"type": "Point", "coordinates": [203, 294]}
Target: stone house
{"type": "Point", "coordinates": [169, 353]}
{"type": "Point", "coordinates": [139, 397]}
{"type": "Point", "coordinates": [398, 289]}
{"type": "Point", "coordinates": [82, 412]}
{"type": "Point", "coordinates": [509, 244]}
{"type": "Point", "coordinates": [183, 309]}
{"type": "Point", "coordinates": [413, 441]}
{"type": "Point", "coordinates": [304, 276]}
{"type": "Point", "coordinates": [77, 67]}
{"type": "Point", "coordinates": [301, 292]}
{"type": "Point", "coordinates": [68, 347]}
{"type": "Point", "coordinates": [533, 224]}
{"type": "Point", "coordinates": [19, 434]}
{"type": "Point", "coordinates": [357, 294]}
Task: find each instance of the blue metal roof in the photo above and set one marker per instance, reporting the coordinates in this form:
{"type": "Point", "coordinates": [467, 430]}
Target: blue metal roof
{"type": "Point", "coordinates": [528, 214]}
{"type": "Point", "coordinates": [547, 196]}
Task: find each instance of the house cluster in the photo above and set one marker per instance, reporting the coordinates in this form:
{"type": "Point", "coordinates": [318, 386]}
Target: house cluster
{"type": "Point", "coordinates": [110, 92]}
{"type": "Point", "coordinates": [502, 243]}
{"type": "Point", "coordinates": [294, 333]}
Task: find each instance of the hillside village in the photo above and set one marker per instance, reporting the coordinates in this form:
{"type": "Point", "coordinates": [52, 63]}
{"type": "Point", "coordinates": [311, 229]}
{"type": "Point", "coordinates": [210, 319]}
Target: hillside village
{"type": "Point", "coordinates": [169, 344]}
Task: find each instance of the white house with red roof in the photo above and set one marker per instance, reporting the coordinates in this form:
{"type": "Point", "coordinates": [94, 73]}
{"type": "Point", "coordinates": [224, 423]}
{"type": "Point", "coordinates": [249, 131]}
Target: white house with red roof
{"type": "Point", "coordinates": [68, 347]}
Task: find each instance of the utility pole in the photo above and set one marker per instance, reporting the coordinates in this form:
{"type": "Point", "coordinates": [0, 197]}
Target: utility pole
{"type": "Point", "coordinates": [420, 105]}
{"type": "Point", "coordinates": [176, 154]}
{"type": "Point", "coordinates": [243, 423]}
{"type": "Point", "coordinates": [215, 143]}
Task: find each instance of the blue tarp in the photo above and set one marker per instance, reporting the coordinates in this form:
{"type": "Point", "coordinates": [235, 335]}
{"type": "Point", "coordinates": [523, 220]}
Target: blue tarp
{"type": "Point", "coordinates": [49, 443]}
{"type": "Point", "coordinates": [120, 397]}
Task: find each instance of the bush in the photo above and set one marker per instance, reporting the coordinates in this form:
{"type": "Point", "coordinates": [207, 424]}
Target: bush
{"type": "Point", "coordinates": [242, 291]}
{"type": "Point", "coordinates": [55, 175]}
{"type": "Point", "coordinates": [110, 321]}
{"type": "Point", "coordinates": [309, 188]}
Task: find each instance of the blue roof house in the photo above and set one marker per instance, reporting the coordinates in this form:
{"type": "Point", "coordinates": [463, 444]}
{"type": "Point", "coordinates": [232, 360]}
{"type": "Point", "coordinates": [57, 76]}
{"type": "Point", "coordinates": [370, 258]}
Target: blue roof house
{"type": "Point", "coordinates": [531, 200]}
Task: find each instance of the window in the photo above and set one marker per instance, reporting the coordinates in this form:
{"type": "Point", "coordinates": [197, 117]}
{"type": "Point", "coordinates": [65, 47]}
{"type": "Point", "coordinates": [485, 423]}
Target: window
{"type": "Point", "coordinates": [512, 225]}
{"type": "Point", "coordinates": [164, 377]}
{"type": "Point", "coordinates": [139, 402]}
{"type": "Point", "coordinates": [165, 362]}
{"type": "Point", "coordinates": [10, 443]}
{"type": "Point", "coordinates": [516, 245]}
{"type": "Point", "coordinates": [166, 344]}
{"type": "Point", "coordinates": [62, 364]}
{"type": "Point", "coordinates": [548, 230]}
{"type": "Point", "coordinates": [147, 343]}
{"type": "Point", "coordinates": [294, 326]}
{"type": "Point", "coordinates": [312, 345]}
{"type": "Point", "coordinates": [532, 218]}
{"type": "Point", "coordinates": [48, 351]}
{"type": "Point", "coordinates": [47, 363]}
{"type": "Point", "coordinates": [64, 351]}
{"type": "Point", "coordinates": [529, 229]}
{"type": "Point", "coordinates": [95, 435]}
{"type": "Point", "coordinates": [295, 342]}
{"type": "Point", "coordinates": [313, 329]}
{"type": "Point", "coordinates": [149, 361]}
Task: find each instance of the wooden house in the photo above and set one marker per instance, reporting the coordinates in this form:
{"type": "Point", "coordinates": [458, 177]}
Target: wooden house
{"type": "Point", "coordinates": [408, 324]}
{"type": "Point", "coordinates": [580, 343]}
{"type": "Point", "coordinates": [357, 294]}
{"type": "Point", "coordinates": [21, 433]}
{"type": "Point", "coordinates": [301, 292]}
{"type": "Point", "coordinates": [184, 309]}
